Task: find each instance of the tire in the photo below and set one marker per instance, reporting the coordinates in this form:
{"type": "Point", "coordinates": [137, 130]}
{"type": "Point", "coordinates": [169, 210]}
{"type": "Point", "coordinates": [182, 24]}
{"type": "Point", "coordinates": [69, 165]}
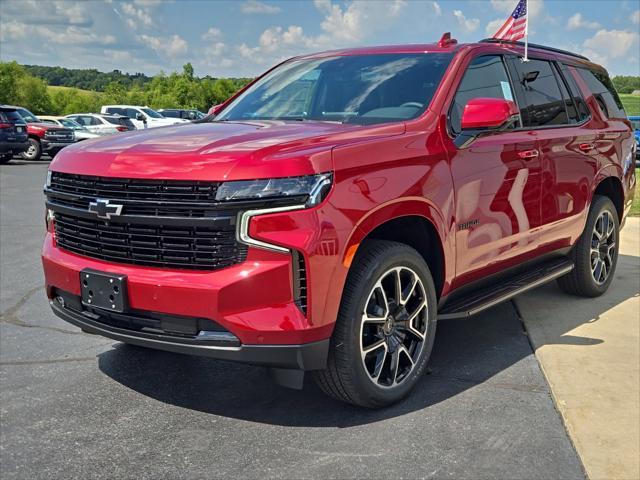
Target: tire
{"type": "Point", "coordinates": [586, 280]}
{"type": "Point", "coordinates": [5, 158]}
{"type": "Point", "coordinates": [368, 379]}
{"type": "Point", "coordinates": [34, 152]}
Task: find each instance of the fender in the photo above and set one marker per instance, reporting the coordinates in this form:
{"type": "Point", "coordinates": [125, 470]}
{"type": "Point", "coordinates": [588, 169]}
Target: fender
{"type": "Point", "coordinates": [392, 210]}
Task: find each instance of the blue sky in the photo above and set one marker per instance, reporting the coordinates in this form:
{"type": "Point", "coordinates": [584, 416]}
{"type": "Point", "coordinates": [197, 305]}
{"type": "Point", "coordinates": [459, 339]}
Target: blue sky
{"type": "Point", "coordinates": [244, 37]}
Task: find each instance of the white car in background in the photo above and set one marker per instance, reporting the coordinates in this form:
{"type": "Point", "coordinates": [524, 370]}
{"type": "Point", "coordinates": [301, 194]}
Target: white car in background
{"type": "Point", "coordinates": [142, 117]}
{"type": "Point", "coordinates": [81, 133]}
{"type": "Point", "coordinates": [103, 124]}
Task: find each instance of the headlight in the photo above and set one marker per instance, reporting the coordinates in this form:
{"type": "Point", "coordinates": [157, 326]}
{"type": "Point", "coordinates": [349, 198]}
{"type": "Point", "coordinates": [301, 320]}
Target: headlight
{"type": "Point", "coordinates": [312, 189]}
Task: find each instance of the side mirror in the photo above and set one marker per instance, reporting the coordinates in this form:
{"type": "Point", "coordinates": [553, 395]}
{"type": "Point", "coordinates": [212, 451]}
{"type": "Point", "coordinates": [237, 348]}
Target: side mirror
{"type": "Point", "coordinates": [140, 117]}
{"type": "Point", "coordinates": [482, 115]}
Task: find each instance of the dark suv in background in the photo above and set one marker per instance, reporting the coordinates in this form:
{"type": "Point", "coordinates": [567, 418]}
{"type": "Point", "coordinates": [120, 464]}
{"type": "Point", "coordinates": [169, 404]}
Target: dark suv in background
{"type": "Point", "coordinates": [13, 134]}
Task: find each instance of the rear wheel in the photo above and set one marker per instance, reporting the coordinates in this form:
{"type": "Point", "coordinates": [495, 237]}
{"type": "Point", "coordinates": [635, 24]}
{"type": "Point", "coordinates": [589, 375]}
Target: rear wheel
{"type": "Point", "coordinates": [385, 328]}
{"type": "Point", "coordinates": [34, 152]}
{"type": "Point", "coordinates": [596, 253]}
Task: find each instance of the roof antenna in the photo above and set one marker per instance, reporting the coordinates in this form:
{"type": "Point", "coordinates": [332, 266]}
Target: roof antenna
{"type": "Point", "coordinates": [446, 40]}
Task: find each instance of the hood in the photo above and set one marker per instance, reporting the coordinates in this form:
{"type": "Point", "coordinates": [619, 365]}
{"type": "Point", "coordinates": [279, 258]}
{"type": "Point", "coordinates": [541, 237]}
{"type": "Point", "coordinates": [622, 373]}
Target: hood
{"type": "Point", "coordinates": [217, 150]}
{"type": "Point", "coordinates": [47, 126]}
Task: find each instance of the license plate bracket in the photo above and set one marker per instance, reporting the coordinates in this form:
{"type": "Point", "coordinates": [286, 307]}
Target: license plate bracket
{"type": "Point", "coordinates": [103, 290]}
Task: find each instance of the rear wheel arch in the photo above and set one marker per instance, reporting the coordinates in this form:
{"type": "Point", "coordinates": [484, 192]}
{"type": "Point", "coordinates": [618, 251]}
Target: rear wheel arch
{"type": "Point", "coordinates": [611, 187]}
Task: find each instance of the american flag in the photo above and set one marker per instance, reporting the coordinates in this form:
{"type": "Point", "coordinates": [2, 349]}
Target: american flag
{"type": "Point", "coordinates": [515, 27]}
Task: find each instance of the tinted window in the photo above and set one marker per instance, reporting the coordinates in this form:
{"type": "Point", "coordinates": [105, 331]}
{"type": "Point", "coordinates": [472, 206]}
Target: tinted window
{"type": "Point", "coordinates": [569, 105]}
{"type": "Point", "coordinates": [360, 89]}
{"type": "Point", "coordinates": [485, 77]}
{"type": "Point", "coordinates": [581, 105]}
{"type": "Point", "coordinates": [116, 110]}
{"type": "Point", "coordinates": [604, 93]}
{"type": "Point", "coordinates": [82, 120]}
{"type": "Point", "coordinates": [27, 115]}
{"type": "Point", "coordinates": [543, 101]}
{"type": "Point", "coordinates": [171, 113]}
{"type": "Point", "coordinates": [10, 116]}
{"type": "Point", "coordinates": [130, 112]}
{"type": "Point", "coordinates": [113, 120]}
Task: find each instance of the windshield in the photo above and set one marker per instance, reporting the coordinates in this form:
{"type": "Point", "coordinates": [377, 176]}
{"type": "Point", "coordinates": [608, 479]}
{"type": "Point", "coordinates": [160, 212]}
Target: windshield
{"type": "Point", "coordinates": [361, 89]}
{"type": "Point", "coordinates": [28, 116]}
{"type": "Point", "coordinates": [66, 122]}
{"type": "Point", "coordinates": [151, 113]}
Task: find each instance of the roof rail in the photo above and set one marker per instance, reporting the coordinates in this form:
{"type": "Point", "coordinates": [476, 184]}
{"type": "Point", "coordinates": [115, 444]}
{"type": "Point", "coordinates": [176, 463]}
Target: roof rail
{"type": "Point", "coordinates": [534, 45]}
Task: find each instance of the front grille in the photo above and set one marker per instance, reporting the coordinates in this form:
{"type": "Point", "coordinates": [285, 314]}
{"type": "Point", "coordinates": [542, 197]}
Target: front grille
{"type": "Point", "coordinates": [191, 247]}
{"type": "Point", "coordinates": [133, 189]}
{"type": "Point", "coordinates": [59, 135]}
{"type": "Point", "coordinates": [162, 223]}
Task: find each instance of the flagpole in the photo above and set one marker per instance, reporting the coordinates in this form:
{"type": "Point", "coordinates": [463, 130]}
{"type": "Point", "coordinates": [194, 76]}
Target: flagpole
{"type": "Point", "coordinates": [526, 33]}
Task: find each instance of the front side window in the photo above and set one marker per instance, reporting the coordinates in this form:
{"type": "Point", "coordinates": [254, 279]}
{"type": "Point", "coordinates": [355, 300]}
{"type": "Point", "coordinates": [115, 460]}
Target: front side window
{"type": "Point", "coordinates": [151, 113]}
{"type": "Point", "coordinates": [486, 77]}
{"type": "Point", "coordinates": [28, 116]}
{"type": "Point", "coordinates": [544, 104]}
{"type": "Point", "coordinates": [359, 89]}
{"type": "Point", "coordinates": [604, 92]}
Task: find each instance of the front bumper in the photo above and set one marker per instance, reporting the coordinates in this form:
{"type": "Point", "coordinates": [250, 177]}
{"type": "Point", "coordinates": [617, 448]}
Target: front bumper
{"type": "Point", "coordinates": [13, 147]}
{"type": "Point", "coordinates": [309, 356]}
{"type": "Point", "coordinates": [48, 145]}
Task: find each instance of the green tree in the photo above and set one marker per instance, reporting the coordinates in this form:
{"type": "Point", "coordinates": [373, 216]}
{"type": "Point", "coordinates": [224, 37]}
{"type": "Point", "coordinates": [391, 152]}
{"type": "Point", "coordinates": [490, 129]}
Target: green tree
{"type": "Point", "coordinates": [187, 71]}
{"type": "Point", "coordinates": [10, 75]}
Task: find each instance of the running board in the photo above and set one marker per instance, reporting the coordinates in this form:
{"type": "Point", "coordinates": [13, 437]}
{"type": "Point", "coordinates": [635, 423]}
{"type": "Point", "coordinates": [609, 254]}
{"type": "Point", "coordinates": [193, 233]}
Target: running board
{"type": "Point", "coordinates": [488, 297]}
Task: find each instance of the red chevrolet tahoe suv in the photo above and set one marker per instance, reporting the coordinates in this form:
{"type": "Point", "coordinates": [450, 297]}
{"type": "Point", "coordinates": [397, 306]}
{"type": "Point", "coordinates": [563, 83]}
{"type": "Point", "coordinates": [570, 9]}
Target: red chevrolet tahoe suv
{"type": "Point", "coordinates": [336, 208]}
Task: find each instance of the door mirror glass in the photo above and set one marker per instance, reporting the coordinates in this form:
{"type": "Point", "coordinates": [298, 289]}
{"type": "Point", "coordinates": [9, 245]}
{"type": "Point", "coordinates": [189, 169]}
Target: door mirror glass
{"type": "Point", "coordinates": [489, 114]}
{"type": "Point", "coordinates": [140, 117]}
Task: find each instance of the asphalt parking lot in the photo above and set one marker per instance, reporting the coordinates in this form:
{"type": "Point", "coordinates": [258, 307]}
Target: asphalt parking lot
{"type": "Point", "coordinates": [76, 405]}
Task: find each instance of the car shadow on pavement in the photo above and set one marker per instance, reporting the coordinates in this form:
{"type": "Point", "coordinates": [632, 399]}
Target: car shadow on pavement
{"type": "Point", "coordinates": [467, 353]}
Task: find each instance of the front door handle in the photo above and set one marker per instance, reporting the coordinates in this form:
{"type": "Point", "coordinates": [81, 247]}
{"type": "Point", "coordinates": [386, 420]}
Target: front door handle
{"type": "Point", "coordinates": [528, 154]}
{"type": "Point", "coordinates": [586, 147]}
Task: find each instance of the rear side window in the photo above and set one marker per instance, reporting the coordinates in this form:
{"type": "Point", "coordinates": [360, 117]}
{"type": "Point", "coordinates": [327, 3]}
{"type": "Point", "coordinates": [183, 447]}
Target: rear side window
{"type": "Point", "coordinates": [485, 77]}
{"type": "Point", "coordinates": [171, 113]}
{"type": "Point", "coordinates": [604, 93]}
{"type": "Point", "coordinates": [580, 104]}
{"type": "Point", "coordinates": [544, 104]}
{"type": "Point", "coordinates": [10, 116]}
{"type": "Point", "coordinates": [116, 111]}
{"type": "Point", "coordinates": [113, 120]}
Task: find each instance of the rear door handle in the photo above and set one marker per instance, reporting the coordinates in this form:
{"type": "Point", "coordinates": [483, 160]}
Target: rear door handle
{"type": "Point", "coordinates": [528, 154]}
{"type": "Point", "coordinates": [586, 147]}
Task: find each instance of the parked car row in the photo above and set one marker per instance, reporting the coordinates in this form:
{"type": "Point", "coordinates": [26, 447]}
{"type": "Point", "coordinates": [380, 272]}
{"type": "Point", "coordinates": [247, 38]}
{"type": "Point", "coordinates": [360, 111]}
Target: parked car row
{"type": "Point", "coordinates": [23, 133]}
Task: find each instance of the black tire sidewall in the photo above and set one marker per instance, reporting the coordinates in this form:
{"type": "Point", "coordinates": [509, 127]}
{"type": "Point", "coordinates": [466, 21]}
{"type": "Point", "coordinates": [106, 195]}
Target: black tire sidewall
{"type": "Point", "coordinates": [351, 312]}
{"type": "Point", "coordinates": [583, 251]}
{"type": "Point", "coordinates": [38, 154]}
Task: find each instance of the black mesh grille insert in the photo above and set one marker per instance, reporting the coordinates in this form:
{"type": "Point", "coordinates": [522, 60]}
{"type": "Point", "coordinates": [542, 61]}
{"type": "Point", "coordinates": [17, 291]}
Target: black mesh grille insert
{"type": "Point", "coordinates": [192, 247]}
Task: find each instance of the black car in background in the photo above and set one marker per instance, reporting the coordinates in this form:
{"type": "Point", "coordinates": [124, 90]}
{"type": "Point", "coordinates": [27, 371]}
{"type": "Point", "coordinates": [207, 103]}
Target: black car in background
{"type": "Point", "coordinates": [180, 113]}
{"type": "Point", "coordinates": [13, 134]}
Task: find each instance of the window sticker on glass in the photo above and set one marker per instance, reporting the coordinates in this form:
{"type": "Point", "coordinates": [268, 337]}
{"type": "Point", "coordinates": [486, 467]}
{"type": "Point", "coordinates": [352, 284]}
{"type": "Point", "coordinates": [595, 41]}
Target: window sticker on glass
{"type": "Point", "coordinates": [506, 91]}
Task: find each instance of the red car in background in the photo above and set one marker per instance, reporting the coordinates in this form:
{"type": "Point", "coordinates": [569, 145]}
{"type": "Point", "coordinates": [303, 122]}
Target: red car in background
{"type": "Point", "coordinates": [44, 137]}
{"type": "Point", "coordinates": [340, 205]}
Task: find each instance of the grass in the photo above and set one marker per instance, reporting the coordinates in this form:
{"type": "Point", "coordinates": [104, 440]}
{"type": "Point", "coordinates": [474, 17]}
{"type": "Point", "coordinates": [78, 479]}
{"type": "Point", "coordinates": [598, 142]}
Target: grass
{"type": "Point", "coordinates": [631, 103]}
{"type": "Point", "coordinates": [635, 207]}
{"type": "Point", "coordinates": [51, 89]}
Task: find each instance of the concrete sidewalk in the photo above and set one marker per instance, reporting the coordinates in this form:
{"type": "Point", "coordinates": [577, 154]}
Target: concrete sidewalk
{"type": "Point", "coordinates": [589, 351]}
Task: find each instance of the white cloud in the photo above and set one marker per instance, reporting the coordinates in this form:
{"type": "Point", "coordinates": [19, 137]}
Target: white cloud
{"type": "Point", "coordinates": [216, 49]}
{"type": "Point", "coordinates": [469, 24]}
{"type": "Point", "coordinates": [606, 45]}
{"type": "Point", "coordinates": [172, 47]}
{"type": "Point", "coordinates": [342, 25]}
{"type": "Point", "coordinates": [55, 12]}
{"type": "Point", "coordinates": [493, 26]}
{"type": "Point", "coordinates": [577, 21]}
{"type": "Point", "coordinates": [212, 34]}
{"type": "Point", "coordinates": [256, 7]}
{"type": "Point", "coordinates": [635, 17]}
{"type": "Point", "coordinates": [437, 9]}
{"type": "Point", "coordinates": [136, 16]}
{"type": "Point", "coordinates": [507, 6]}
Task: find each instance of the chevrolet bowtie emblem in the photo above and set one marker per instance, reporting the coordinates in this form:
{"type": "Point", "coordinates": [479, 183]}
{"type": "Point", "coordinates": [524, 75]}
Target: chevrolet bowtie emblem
{"type": "Point", "coordinates": [104, 209]}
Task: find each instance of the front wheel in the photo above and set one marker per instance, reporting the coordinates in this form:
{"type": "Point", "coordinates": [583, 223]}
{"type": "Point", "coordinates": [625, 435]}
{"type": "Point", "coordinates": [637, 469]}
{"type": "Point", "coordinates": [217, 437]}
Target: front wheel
{"type": "Point", "coordinates": [596, 253]}
{"type": "Point", "coordinates": [34, 152]}
{"type": "Point", "coordinates": [385, 329]}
